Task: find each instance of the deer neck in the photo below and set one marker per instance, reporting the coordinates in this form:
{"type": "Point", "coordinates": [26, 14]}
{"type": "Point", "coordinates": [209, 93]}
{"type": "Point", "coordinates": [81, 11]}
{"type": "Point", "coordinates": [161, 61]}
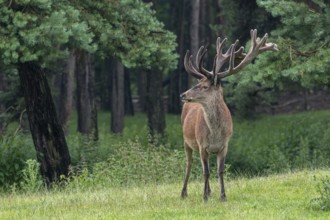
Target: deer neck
{"type": "Point", "coordinates": [214, 112]}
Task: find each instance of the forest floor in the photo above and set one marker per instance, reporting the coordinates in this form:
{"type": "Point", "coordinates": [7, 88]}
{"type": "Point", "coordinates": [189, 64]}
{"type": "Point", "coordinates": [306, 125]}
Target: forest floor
{"type": "Point", "coordinates": [283, 196]}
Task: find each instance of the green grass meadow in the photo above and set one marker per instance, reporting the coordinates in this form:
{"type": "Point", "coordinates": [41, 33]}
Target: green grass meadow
{"type": "Point", "coordinates": [284, 196]}
{"type": "Point", "coordinates": [277, 168]}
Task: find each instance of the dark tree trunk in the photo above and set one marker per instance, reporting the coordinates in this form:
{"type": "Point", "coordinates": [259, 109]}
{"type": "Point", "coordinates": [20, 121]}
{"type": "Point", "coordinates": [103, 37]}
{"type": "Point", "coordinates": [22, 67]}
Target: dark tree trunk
{"type": "Point", "coordinates": [2, 107]}
{"type": "Point", "coordinates": [86, 106]}
{"type": "Point", "coordinates": [155, 105]}
{"type": "Point", "coordinates": [203, 22]}
{"type": "Point", "coordinates": [47, 133]}
{"type": "Point", "coordinates": [118, 98]}
{"type": "Point", "coordinates": [194, 26]}
{"type": "Point", "coordinates": [104, 84]}
{"type": "Point", "coordinates": [178, 80]}
{"type": "Point", "coordinates": [129, 108]}
{"type": "Point", "coordinates": [142, 90]}
{"type": "Point", "coordinates": [184, 78]}
{"type": "Point", "coordinates": [174, 103]}
{"type": "Point", "coordinates": [66, 92]}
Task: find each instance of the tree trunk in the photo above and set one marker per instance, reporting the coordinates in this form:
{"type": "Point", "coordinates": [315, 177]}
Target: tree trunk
{"type": "Point", "coordinates": [203, 30]}
{"type": "Point", "coordinates": [118, 98]}
{"type": "Point", "coordinates": [129, 108]}
{"type": "Point", "coordinates": [142, 90]}
{"type": "Point", "coordinates": [194, 27]}
{"type": "Point", "coordinates": [179, 80]}
{"type": "Point", "coordinates": [155, 105]}
{"type": "Point", "coordinates": [47, 133]}
{"type": "Point", "coordinates": [104, 83]}
{"type": "Point", "coordinates": [2, 107]}
{"type": "Point", "coordinates": [86, 106]}
{"type": "Point", "coordinates": [66, 92]}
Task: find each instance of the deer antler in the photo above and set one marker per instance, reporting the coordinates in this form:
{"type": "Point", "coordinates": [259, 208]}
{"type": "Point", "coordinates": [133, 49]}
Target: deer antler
{"type": "Point", "coordinates": [257, 47]}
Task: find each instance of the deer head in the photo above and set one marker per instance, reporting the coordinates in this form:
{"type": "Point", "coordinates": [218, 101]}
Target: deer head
{"type": "Point", "coordinates": [209, 81]}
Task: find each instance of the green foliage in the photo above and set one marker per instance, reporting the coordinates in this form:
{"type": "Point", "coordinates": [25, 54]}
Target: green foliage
{"type": "Point", "coordinates": [323, 201]}
{"type": "Point", "coordinates": [280, 143]}
{"type": "Point", "coordinates": [303, 40]}
{"type": "Point", "coordinates": [44, 31]}
{"type": "Point", "coordinates": [240, 16]}
{"type": "Point", "coordinates": [267, 145]}
{"type": "Point", "coordinates": [31, 179]}
{"type": "Point", "coordinates": [14, 151]}
{"type": "Point", "coordinates": [302, 61]}
{"type": "Point", "coordinates": [129, 163]}
{"type": "Point", "coordinates": [130, 31]}
{"type": "Point", "coordinates": [37, 30]}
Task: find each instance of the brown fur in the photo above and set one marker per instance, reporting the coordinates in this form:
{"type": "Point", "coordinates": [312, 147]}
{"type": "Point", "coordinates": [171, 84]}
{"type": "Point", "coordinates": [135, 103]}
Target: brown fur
{"type": "Point", "coordinates": [206, 120]}
{"type": "Point", "coordinates": [207, 128]}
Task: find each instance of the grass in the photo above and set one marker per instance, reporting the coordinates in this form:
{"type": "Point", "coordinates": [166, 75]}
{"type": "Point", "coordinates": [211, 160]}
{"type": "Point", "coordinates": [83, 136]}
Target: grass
{"type": "Point", "coordinates": [128, 178]}
{"type": "Point", "coordinates": [284, 196]}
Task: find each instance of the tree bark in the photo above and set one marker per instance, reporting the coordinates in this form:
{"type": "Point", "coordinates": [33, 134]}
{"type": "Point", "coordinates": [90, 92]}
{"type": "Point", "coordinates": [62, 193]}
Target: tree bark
{"type": "Point", "coordinates": [118, 98]}
{"type": "Point", "coordinates": [178, 80]}
{"type": "Point", "coordinates": [203, 30]}
{"type": "Point", "coordinates": [142, 90]}
{"type": "Point", "coordinates": [2, 108]}
{"type": "Point", "coordinates": [66, 92]}
{"type": "Point", "coordinates": [155, 105]}
{"type": "Point", "coordinates": [47, 133]}
{"type": "Point", "coordinates": [129, 108]}
{"type": "Point", "coordinates": [194, 26]}
{"type": "Point", "coordinates": [86, 106]}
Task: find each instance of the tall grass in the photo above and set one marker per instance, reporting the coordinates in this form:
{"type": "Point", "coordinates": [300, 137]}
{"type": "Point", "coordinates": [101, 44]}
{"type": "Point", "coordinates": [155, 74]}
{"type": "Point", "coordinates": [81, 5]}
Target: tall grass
{"type": "Point", "coordinates": [267, 145]}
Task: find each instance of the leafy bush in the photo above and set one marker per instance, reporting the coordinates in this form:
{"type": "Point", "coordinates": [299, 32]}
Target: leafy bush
{"type": "Point", "coordinates": [32, 181]}
{"type": "Point", "coordinates": [14, 151]}
{"type": "Point", "coordinates": [132, 163]}
{"type": "Point", "coordinates": [265, 145]}
{"type": "Point", "coordinates": [323, 188]}
{"type": "Point", "coordinates": [278, 143]}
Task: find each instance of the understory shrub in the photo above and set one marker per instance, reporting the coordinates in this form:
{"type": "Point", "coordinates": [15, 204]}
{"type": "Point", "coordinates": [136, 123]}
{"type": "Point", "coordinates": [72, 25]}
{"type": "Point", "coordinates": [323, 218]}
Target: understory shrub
{"type": "Point", "coordinates": [323, 201]}
{"type": "Point", "coordinates": [280, 144]}
{"type": "Point", "coordinates": [14, 151]}
{"type": "Point", "coordinates": [132, 163]}
{"type": "Point", "coordinates": [265, 145]}
{"type": "Point", "coordinates": [31, 178]}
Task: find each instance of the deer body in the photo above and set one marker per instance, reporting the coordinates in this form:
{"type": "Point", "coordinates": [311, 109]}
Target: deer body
{"type": "Point", "coordinates": [206, 120]}
{"type": "Point", "coordinates": [208, 126]}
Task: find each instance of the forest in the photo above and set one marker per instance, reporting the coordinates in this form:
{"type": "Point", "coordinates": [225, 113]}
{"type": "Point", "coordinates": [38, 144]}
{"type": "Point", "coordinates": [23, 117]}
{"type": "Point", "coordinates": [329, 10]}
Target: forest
{"type": "Point", "coordinates": [90, 93]}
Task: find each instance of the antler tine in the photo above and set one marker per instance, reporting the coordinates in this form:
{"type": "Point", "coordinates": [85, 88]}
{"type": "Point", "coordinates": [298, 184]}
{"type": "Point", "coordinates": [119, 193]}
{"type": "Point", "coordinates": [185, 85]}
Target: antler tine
{"type": "Point", "coordinates": [239, 53]}
{"type": "Point", "coordinates": [189, 66]}
{"type": "Point", "coordinates": [232, 56]}
{"type": "Point", "coordinates": [269, 46]}
{"type": "Point", "coordinates": [221, 58]}
{"type": "Point", "coordinates": [220, 44]}
{"type": "Point", "coordinates": [199, 61]}
{"type": "Point", "coordinates": [257, 46]}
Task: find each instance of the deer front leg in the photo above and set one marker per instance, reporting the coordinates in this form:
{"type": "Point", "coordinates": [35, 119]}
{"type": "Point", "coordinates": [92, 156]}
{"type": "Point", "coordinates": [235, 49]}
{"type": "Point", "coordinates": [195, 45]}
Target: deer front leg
{"type": "Point", "coordinates": [206, 173]}
{"type": "Point", "coordinates": [221, 169]}
{"type": "Point", "coordinates": [188, 152]}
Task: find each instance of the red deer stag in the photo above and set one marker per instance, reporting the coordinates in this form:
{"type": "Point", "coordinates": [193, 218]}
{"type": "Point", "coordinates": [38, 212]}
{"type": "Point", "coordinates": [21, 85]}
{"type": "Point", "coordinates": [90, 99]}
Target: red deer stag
{"type": "Point", "coordinates": [206, 120]}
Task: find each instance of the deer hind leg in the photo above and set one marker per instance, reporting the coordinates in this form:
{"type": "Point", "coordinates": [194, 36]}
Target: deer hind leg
{"type": "Point", "coordinates": [188, 152]}
{"type": "Point", "coordinates": [206, 172]}
{"type": "Point", "coordinates": [221, 169]}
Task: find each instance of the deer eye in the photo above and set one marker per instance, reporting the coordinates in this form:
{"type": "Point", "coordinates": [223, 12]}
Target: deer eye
{"type": "Point", "coordinates": [205, 87]}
